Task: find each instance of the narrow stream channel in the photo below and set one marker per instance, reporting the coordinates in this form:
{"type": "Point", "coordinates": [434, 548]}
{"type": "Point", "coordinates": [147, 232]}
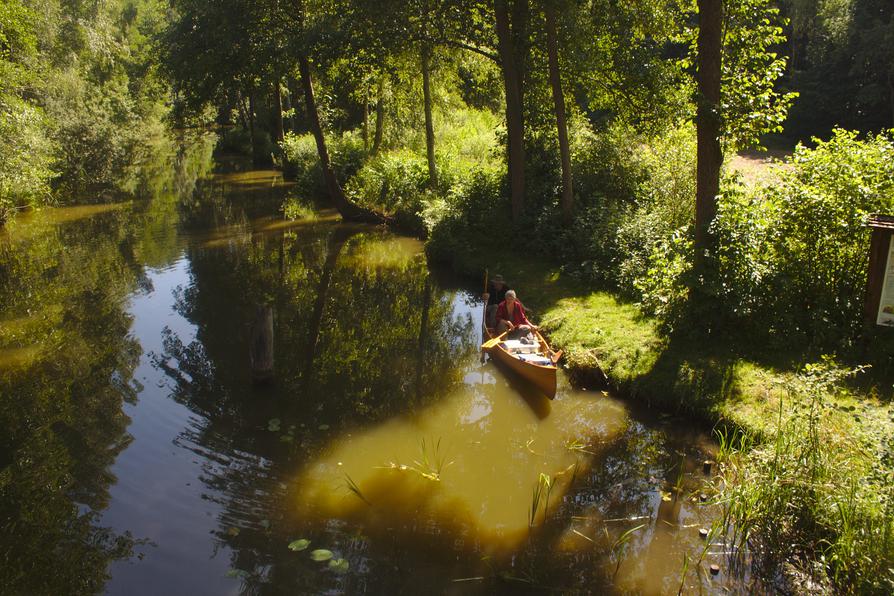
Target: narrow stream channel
{"type": "Point", "coordinates": [131, 422]}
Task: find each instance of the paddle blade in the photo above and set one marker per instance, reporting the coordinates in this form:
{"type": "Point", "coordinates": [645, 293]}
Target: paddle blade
{"type": "Point", "coordinates": [493, 341]}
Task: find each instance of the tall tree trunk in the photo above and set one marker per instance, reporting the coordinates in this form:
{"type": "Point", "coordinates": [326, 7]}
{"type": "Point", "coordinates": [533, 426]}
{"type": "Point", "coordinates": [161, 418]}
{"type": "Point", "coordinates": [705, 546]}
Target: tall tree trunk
{"type": "Point", "coordinates": [429, 125]}
{"type": "Point", "coordinates": [277, 111]}
{"type": "Point", "coordinates": [294, 94]}
{"type": "Point", "coordinates": [512, 84]}
{"type": "Point", "coordinates": [380, 116]}
{"type": "Point", "coordinates": [255, 152]}
{"type": "Point", "coordinates": [366, 119]}
{"type": "Point", "coordinates": [243, 111]}
{"type": "Point", "coordinates": [348, 210]}
{"type": "Point", "coordinates": [555, 80]}
{"type": "Point", "coordinates": [709, 154]}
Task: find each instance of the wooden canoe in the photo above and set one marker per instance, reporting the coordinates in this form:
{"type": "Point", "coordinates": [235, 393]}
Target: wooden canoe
{"type": "Point", "coordinates": [534, 364]}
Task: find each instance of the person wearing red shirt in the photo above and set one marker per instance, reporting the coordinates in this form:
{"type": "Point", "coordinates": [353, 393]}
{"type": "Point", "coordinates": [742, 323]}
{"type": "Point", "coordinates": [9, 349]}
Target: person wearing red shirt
{"type": "Point", "coordinates": [511, 316]}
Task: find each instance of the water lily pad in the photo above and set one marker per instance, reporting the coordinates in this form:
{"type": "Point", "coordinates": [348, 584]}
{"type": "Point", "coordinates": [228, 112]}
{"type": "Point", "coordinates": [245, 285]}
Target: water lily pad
{"type": "Point", "coordinates": [339, 565]}
{"type": "Point", "coordinates": [237, 573]}
{"type": "Point", "coordinates": [298, 545]}
{"type": "Point", "coordinates": [233, 531]}
{"type": "Point", "coordinates": [324, 427]}
{"type": "Point", "coordinates": [321, 554]}
{"type": "Point", "coordinates": [273, 424]}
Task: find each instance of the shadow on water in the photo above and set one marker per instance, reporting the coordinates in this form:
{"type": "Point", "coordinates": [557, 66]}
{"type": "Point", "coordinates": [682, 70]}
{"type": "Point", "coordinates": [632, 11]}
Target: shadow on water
{"type": "Point", "coordinates": [536, 400]}
{"type": "Point", "coordinates": [377, 434]}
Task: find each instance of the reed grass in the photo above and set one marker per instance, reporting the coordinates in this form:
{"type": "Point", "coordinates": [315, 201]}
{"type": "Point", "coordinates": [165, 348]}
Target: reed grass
{"type": "Point", "coordinates": [542, 489]}
{"type": "Point", "coordinates": [354, 488]}
{"type": "Point", "coordinates": [620, 545]}
{"type": "Point", "coordinates": [431, 464]}
{"type": "Point", "coordinates": [810, 498]}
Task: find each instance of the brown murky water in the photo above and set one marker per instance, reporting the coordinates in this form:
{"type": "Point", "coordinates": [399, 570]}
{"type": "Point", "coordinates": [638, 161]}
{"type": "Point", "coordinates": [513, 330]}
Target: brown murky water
{"type": "Point", "coordinates": [137, 456]}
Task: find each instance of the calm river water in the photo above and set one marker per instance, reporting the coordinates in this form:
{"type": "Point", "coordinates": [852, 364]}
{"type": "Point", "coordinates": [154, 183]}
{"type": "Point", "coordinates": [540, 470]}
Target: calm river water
{"type": "Point", "coordinates": [137, 456]}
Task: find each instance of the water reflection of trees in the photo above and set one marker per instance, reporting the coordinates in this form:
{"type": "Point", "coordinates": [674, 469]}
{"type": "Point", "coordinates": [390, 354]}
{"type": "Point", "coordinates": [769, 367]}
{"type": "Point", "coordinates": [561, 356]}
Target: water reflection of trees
{"type": "Point", "coordinates": [356, 340]}
{"type": "Point", "coordinates": [66, 368]}
{"type": "Point", "coordinates": [61, 419]}
{"type": "Point", "coordinates": [348, 340]}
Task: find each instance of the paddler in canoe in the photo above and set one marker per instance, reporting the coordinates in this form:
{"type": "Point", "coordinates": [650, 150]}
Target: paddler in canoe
{"type": "Point", "coordinates": [494, 294]}
{"type": "Point", "coordinates": [516, 343]}
{"type": "Point", "coordinates": [511, 317]}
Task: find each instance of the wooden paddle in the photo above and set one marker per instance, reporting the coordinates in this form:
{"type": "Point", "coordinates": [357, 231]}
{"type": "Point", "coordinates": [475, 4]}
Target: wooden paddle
{"type": "Point", "coordinates": [484, 317]}
{"type": "Point", "coordinates": [493, 341]}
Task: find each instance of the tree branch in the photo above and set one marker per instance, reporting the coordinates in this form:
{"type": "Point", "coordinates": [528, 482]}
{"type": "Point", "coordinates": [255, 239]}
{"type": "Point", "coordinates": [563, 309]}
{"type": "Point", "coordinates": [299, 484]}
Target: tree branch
{"type": "Point", "coordinates": [471, 48]}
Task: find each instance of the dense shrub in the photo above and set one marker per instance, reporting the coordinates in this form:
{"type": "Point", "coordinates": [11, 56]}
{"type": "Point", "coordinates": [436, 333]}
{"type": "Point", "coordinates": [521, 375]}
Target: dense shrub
{"type": "Point", "coordinates": [468, 218]}
{"type": "Point", "coordinates": [664, 207]}
{"type": "Point", "coordinates": [820, 239]}
{"type": "Point", "coordinates": [397, 183]}
{"type": "Point", "coordinates": [631, 193]}
{"type": "Point", "coordinates": [26, 160]}
{"type": "Point", "coordinates": [96, 130]}
{"type": "Point", "coordinates": [302, 162]}
{"type": "Point", "coordinates": [791, 256]}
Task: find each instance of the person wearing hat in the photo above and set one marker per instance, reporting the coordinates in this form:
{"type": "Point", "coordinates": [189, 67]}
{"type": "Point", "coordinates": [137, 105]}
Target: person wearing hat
{"type": "Point", "coordinates": [496, 293]}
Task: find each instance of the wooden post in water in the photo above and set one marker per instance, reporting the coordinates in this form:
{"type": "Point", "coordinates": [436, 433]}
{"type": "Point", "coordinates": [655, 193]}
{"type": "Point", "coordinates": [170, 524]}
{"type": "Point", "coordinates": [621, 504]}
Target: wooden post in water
{"type": "Point", "coordinates": [261, 348]}
{"type": "Point", "coordinates": [879, 308]}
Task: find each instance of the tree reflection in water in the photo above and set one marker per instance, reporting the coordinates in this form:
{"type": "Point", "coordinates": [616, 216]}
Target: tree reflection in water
{"type": "Point", "coordinates": [66, 365]}
{"type": "Point", "coordinates": [361, 333]}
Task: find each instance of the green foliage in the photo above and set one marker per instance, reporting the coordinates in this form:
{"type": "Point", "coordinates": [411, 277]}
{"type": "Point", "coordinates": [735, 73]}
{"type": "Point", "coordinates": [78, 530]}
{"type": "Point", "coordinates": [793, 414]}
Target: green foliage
{"type": "Point", "coordinates": [468, 217]}
{"type": "Point", "coordinates": [95, 130]}
{"type": "Point", "coordinates": [79, 98]}
{"type": "Point", "coordinates": [795, 252]}
{"type": "Point", "coordinates": [26, 162]}
{"type": "Point", "coordinates": [791, 255]}
{"type": "Point", "coordinates": [810, 494]}
{"type": "Point", "coordinates": [634, 193]}
{"type": "Point", "coordinates": [662, 286]}
{"type": "Point", "coordinates": [820, 238]}
{"type": "Point", "coordinates": [302, 162]}
{"type": "Point", "coordinates": [398, 182]}
{"type": "Point", "coordinates": [752, 104]}
{"type": "Point", "coordinates": [664, 211]}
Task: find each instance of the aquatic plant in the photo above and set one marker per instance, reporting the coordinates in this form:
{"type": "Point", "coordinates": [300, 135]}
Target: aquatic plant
{"type": "Point", "coordinates": [619, 546]}
{"type": "Point", "coordinates": [354, 488]}
{"type": "Point", "coordinates": [299, 545]}
{"type": "Point", "coordinates": [432, 463]}
{"type": "Point", "coordinates": [804, 498]}
{"type": "Point", "coordinates": [577, 445]}
{"type": "Point", "coordinates": [683, 573]}
{"type": "Point", "coordinates": [542, 489]}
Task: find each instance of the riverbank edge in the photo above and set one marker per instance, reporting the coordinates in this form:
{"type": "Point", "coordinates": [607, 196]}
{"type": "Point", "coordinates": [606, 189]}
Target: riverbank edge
{"type": "Point", "coordinates": [609, 342]}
